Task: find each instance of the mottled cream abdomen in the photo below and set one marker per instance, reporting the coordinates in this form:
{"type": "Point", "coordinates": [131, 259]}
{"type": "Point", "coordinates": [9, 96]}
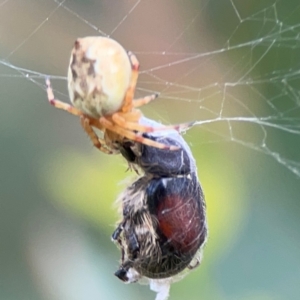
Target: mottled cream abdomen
{"type": "Point", "coordinates": [99, 75]}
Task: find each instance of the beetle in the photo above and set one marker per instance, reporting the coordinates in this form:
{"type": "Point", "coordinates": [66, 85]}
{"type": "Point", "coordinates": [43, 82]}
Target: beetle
{"type": "Point", "coordinates": [163, 228]}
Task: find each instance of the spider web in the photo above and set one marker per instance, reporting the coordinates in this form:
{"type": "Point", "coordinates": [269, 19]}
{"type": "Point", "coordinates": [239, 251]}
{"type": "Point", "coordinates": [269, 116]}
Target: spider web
{"type": "Point", "coordinates": [234, 67]}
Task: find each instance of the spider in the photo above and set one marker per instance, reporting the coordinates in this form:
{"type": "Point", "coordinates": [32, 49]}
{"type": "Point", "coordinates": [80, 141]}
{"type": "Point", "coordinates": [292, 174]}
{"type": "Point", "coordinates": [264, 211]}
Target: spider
{"type": "Point", "coordinates": [102, 79]}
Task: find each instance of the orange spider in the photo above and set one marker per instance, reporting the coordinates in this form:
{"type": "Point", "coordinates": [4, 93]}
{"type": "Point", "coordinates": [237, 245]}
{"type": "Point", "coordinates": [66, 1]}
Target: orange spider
{"type": "Point", "coordinates": [102, 78]}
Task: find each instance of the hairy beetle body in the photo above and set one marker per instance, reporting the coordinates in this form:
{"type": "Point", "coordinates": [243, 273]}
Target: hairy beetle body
{"type": "Point", "coordinates": [163, 228]}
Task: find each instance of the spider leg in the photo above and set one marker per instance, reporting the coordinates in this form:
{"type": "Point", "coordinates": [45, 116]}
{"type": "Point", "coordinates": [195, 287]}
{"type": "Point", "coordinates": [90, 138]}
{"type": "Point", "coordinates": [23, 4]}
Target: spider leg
{"type": "Point", "coordinates": [122, 122]}
{"type": "Point", "coordinates": [133, 136]}
{"type": "Point", "coordinates": [132, 116]}
{"type": "Point", "coordinates": [142, 101]}
{"type": "Point", "coordinates": [127, 106]}
{"type": "Point", "coordinates": [58, 104]}
{"type": "Point", "coordinates": [97, 142]}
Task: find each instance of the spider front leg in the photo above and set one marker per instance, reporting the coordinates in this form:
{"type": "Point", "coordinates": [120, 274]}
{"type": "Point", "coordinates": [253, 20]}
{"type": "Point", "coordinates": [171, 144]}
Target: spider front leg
{"type": "Point", "coordinates": [129, 103]}
{"type": "Point", "coordinates": [85, 120]}
{"type": "Point", "coordinates": [127, 106]}
{"type": "Point", "coordinates": [142, 101]}
{"type": "Point", "coordinates": [131, 135]}
{"type": "Point", "coordinates": [59, 104]}
{"type": "Point", "coordinates": [97, 142]}
{"type": "Point", "coordinates": [133, 126]}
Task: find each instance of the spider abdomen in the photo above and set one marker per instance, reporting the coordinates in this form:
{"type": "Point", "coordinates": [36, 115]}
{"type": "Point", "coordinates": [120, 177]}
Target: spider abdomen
{"type": "Point", "coordinates": [99, 76]}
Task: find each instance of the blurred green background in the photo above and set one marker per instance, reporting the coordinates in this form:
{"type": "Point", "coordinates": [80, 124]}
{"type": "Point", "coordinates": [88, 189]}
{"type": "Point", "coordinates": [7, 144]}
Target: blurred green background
{"type": "Point", "coordinates": [208, 59]}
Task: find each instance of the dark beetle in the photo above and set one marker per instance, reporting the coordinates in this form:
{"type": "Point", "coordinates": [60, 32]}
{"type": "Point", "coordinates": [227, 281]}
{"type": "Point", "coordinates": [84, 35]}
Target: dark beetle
{"type": "Point", "coordinates": [164, 222]}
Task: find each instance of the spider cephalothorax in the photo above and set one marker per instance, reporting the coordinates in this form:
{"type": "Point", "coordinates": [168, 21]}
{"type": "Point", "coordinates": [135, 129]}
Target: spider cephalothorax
{"type": "Point", "coordinates": [163, 228]}
{"type": "Point", "coordinates": [102, 79]}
